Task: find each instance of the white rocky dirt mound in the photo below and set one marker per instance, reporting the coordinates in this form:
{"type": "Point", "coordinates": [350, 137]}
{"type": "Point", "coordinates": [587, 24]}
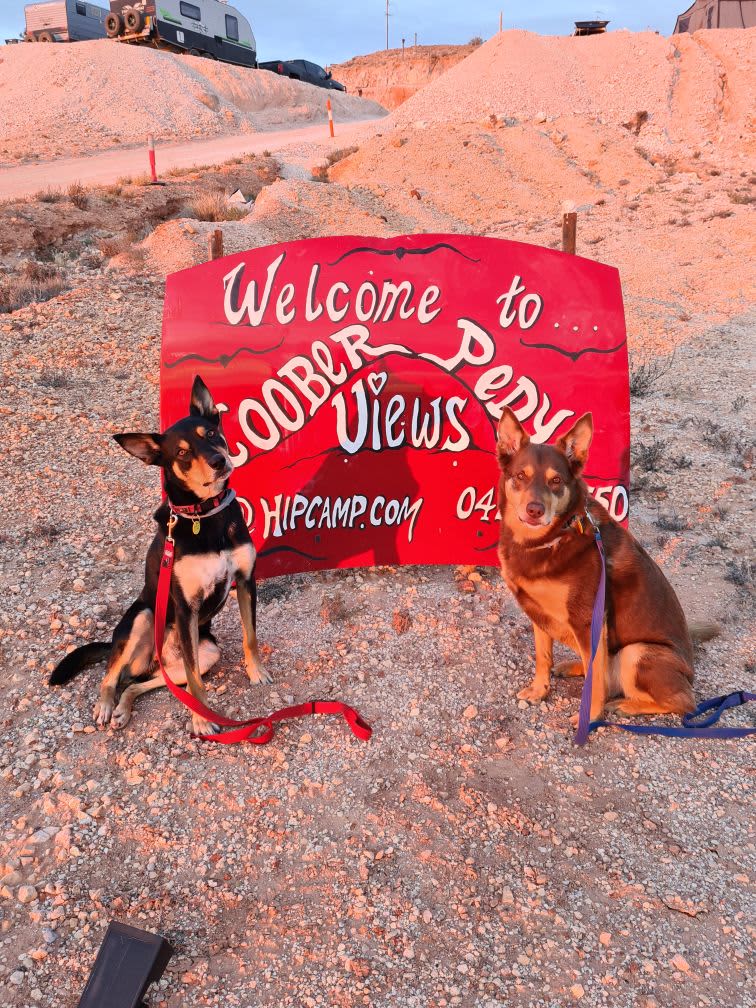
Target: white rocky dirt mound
{"type": "Point", "coordinates": [690, 89]}
{"type": "Point", "coordinates": [61, 100]}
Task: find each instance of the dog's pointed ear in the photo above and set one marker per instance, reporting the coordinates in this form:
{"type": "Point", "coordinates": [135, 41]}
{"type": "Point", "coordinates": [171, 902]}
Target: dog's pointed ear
{"type": "Point", "coordinates": [202, 403]}
{"type": "Point", "coordinates": [576, 442]}
{"type": "Point", "coordinates": [146, 447]}
{"type": "Point", "coordinates": [512, 436]}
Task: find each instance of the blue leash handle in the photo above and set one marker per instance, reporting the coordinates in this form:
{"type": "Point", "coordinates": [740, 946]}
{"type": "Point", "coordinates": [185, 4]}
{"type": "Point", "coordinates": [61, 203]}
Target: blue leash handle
{"type": "Point", "coordinates": [694, 725]}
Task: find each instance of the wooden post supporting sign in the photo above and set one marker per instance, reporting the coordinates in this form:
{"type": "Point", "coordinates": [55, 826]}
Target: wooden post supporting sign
{"type": "Point", "coordinates": [216, 244]}
{"type": "Point", "coordinates": [569, 232]}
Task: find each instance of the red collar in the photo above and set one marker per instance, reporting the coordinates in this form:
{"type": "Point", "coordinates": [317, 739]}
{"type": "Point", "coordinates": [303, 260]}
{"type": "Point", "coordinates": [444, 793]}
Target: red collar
{"type": "Point", "coordinates": [213, 504]}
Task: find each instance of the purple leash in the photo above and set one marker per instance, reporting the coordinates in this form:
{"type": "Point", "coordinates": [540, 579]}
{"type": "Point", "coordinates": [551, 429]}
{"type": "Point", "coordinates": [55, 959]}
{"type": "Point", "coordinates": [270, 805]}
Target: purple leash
{"type": "Point", "coordinates": [691, 727]}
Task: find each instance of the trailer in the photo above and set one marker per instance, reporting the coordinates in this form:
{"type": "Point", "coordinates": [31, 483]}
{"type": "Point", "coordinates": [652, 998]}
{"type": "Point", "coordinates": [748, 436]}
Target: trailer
{"type": "Point", "coordinates": [210, 28]}
{"type": "Point", "coordinates": [590, 27]}
{"type": "Point", "coordinates": [64, 21]}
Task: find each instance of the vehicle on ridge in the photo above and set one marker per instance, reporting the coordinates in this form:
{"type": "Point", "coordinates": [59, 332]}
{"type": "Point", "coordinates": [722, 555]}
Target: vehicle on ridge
{"type": "Point", "coordinates": [64, 21]}
{"type": "Point", "coordinates": [305, 71]}
{"type": "Point", "coordinates": [209, 28]}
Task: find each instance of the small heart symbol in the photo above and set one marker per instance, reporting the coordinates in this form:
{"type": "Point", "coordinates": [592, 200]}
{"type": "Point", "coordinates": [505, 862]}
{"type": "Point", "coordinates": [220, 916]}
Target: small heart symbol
{"type": "Point", "coordinates": [377, 381]}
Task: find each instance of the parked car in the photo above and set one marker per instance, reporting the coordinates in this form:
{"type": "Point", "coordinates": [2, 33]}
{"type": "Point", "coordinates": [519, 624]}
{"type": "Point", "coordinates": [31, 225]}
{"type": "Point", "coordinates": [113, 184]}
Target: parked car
{"type": "Point", "coordinates": [210, 28]}
{"type": "Point", "coordinates": [64, 21]}
{"type": "Point", "coordinates": [303, 70]}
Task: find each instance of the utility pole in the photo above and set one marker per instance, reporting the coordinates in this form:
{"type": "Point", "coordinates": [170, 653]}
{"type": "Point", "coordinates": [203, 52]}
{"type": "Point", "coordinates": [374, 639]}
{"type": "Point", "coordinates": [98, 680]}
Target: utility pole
{"type": "Point", "coordinates": [387, 22]}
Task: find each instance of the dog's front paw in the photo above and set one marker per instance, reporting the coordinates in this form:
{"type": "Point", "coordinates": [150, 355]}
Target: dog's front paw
{"type": "Point", "coordinates": [200, 726]}
{"type": "Point", "coordinates": [102, 712]}
{"type": "Point", "coordinates": [259, 675]}
{"type": "Point", "coordinates": [121, 717]}
{"type": "Point", "coordinates": [534, 693]}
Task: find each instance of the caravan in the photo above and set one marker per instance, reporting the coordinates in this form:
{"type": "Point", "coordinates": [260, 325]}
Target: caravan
{"type": "Point", "coordinates": [64, 21]}
{"type": "Point", "coordinates": [210, 28]}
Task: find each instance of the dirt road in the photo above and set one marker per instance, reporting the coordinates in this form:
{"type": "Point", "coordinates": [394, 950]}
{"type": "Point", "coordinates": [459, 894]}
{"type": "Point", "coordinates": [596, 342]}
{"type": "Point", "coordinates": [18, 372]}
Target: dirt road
{"type": "Point", "coordinates": [101, 169]}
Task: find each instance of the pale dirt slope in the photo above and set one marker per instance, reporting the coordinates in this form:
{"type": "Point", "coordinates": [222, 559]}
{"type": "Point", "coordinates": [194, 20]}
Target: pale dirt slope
{"type": "Point", "coordinates": [63, 100]}
{"type": "Point", "coordinates": [696, 89]}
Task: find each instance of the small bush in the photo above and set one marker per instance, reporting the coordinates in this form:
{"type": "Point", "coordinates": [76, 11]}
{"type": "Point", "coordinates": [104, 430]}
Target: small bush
{"type": "Point", "coordinates": [53, 379]}
{"type": "Point", "coordinates": [738, 197]}
{"type": "Point", "coordinates": [744, 452]}
{"type": "Point", "coordinates": [740, 573]}
{"type": "Point", "coordinates": [644, 378]}
{"type": "Point", "coordinates": [338, 155]}
{"type": "Point", "coordinates": [648, 458]}
{"type": "Point", "coordinates": [214, 207]}
{"type": "Point", "coordinates": [19, 291]}
{"type": "Point", "coordinates": [671, 523]}
{"type": "Point", "coordinates": [718, 437]}
{"type": "Point", "coordinates": [739, 403]}
{"type": "Point", "coordinates": [113, 246]}
{"type": "Point", "coordinates": [77, 194]}
{"type": "Point", "coordinates": [475, 40]}
{"type": "Point", "coordinates": [679, 462]}
{"type": "Point", "coordinates": [38, 271]}
{"type": "Point", "coordinates": [50, 196]}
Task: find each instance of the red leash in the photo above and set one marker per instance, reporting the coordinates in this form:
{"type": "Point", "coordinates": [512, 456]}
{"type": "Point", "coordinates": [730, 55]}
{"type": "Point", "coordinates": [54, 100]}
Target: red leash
{"type": "Point", "coordinates": [258, 731]}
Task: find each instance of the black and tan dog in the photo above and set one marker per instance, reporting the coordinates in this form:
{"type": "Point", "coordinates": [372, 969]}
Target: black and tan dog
{"type": "Point", "coordinates": [212, 549]}
{"type": "Point", "coordinates": [549, 559]}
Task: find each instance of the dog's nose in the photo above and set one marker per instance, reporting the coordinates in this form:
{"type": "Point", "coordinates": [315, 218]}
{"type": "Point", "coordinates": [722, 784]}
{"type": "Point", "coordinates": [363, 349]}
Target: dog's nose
{"type": "Point", "coordinates": [217, 463]}
{"type": "Point", "coordinates": [535, 509]}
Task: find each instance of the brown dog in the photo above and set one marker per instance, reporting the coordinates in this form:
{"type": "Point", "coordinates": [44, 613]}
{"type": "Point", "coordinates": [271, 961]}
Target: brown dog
{"type": "Point", "coordinates": [549, 559]}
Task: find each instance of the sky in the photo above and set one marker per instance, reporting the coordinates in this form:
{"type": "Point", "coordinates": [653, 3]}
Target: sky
{"type": "Point", "coordinates": [338, 29]}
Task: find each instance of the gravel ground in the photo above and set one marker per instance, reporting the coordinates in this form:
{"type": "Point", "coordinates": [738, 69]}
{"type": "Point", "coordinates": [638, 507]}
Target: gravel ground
{"type": "Point", "coordinates": [468, 855]}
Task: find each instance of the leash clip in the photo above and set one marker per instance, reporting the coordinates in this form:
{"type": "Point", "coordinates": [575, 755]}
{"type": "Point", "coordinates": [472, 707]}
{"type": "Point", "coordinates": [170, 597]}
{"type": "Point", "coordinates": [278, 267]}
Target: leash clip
{"type": "Point", "coordinates": [172, 520]}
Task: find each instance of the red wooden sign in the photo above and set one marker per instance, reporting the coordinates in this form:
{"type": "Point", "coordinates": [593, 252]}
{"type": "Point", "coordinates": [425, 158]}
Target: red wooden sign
{"type": "Point", "coordinates": [362, 378]}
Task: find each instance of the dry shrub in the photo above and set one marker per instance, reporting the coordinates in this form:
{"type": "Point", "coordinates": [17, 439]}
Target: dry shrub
{"type": "Point", "coordinates": [214, 207]}
{"type": "Point", "coordinates": [113, 246]}
{"type": "Point", "coordinates": [77, 194]}
{"type": "Point", "coordinates": [745, 198]}
{"type": "Point", "coordinates": [320, 172]}
{"type": "Point", "coordinates": [338, 155]}
{"type": "Point", "coordinates": [37, 282]}
{"type": "Point", "coordinates": [50, 196]}
{"type": "Point", "coordinates": [645, 377]}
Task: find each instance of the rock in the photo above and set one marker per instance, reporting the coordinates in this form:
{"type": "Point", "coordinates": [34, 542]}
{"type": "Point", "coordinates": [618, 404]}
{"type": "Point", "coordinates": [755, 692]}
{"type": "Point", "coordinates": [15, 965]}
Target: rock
{"type": "Point", "coordinates": [26, 894]}
{"type": "Point", "coordinates": [470, 712]}
{"type": "Point", "coordinates": [680, 963]}
{"type": "Point", "coordinates": [577, 991]}
{"type": "Point", "coordinates": [401, 621]}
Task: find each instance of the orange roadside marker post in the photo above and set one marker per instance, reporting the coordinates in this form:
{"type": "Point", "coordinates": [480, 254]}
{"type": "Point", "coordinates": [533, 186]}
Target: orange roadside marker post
{"type": "Point", "coordinates": [153, 169]}
{"type": "Point", "coordinates": [330, 117]}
